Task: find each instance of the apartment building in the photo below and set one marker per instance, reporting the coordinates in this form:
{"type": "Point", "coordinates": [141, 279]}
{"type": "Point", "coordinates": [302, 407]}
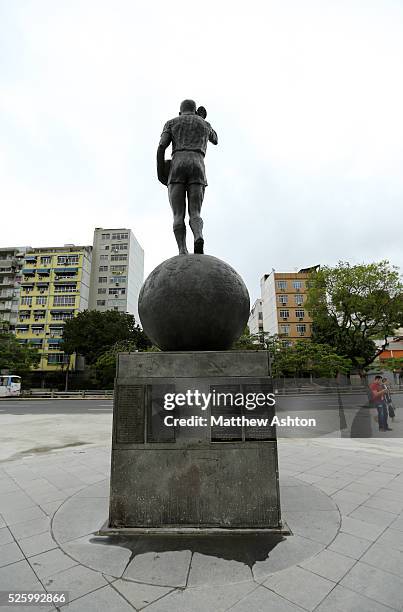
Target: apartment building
{"type": "Point", "coordinates": [11, 263]}
{"type": "Point", "coordinates": [54, 288]}
{"type": "Point", "coordinates": [283, 296]}
{"type": "Point", "coordinates": [117, 271]}
{"type": "Point", "coordinates": [255, 321]}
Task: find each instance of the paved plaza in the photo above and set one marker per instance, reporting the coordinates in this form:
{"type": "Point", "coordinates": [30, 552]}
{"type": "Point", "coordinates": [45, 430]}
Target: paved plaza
{"type": "Point", "coordinates": [342, 499]}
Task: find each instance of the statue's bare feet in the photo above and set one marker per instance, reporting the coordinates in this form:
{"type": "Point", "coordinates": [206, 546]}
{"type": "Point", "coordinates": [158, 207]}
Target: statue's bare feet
{"type": "Point", "coordinates": [198, 247]}
{"type": "Point", "coordinates": [183, 251]}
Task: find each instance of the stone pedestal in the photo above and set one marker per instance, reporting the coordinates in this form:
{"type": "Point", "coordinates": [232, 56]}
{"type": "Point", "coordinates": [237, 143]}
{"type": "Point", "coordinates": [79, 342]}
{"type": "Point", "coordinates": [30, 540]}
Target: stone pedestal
{"type": "Point", "coordinates": [184, 478]}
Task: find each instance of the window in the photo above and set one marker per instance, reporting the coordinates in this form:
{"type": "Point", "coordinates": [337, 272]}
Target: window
{"type": "Point", "coordinates": [45, 260]}
{"type": "Point", "coordinates": [284, 314]}
{"type": "Point", "coordinates": [120, 236]}
{"type": "Point", "coordinates": [65, 288]}
{"type": "Point", "coordinates": [105, 236]}
{"type": "Point", "coordinates": [68, 260]}
{"type": "Point", "coordinates": [117, 291]}
{"type": "Point", "coordinates": [282, 284]}
{"type": "Point", "coordinates": [103, 268]}
{"type": "Point", "coordinates": [118, 279]}
{"type": "Point", "coordinates": [301, 329]}
{"type": "Point", "coordinates": [118, 268]}
{"type": "Point", "coordinates": [106, 247]}
{"type": "Point", "coordinates": [62, 316]}
{"type": "Point", "coordinates": [297, 284]}
{"type": "Point", "coordinates": [104, 257]}
{"type": "Point", "coordinates": [26, 301]}
{"type": "Point", "coordinates": [64, 300]}
{"type": "Point", "coordinates": [102, 290]}
{"type": "Point", "coordinates": [299, 299]}
{"type": "Point", "coordinates": [101, 302]}
{"type": "Point", "coordinates": [58, 358]}
{"type": "Point", "coordinates": [40, 301]}
{"type": "Point", "coordinates": [283, 299]}
{"type": "Point", "coordinates": [102, 279]}
{"type": "Point", "coordinates": [300, 314]}
{"type": "Point", "coordinates": [120, 246]}
{"type": "Point", "coordinates": [122, 257]}
{"type": "Point", "coordinates": [285, 330]}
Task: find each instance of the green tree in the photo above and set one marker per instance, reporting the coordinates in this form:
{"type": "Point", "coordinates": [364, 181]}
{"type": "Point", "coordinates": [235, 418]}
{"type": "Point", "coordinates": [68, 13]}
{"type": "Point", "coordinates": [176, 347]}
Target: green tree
{"type": "Point", "coordinates": [307, 358]}
{"type": "Point", "coordinates": [351, 305]}
{"type": "Point", "coordinates": [15, 357]}
{"type": "Point", "coordinates": [91, 333]}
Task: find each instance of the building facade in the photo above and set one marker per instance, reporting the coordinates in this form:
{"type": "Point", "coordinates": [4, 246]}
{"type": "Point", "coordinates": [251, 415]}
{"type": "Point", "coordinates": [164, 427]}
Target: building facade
{"type": "Point", "coordinates": [255, 321]}
{"type": "Point", "coordinates": [11, 264]}
{"type": "Point", "coordinates": [55, 286]}
{"type": "Point", "coordinates": [117, 271]}
{"type": "Point", "coordinates": [283, 305]}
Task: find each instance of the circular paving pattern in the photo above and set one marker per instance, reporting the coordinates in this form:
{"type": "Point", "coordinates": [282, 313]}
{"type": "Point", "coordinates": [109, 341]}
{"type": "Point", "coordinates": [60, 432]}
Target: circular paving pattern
{"type": "Point", "coordinates": [182, 561]}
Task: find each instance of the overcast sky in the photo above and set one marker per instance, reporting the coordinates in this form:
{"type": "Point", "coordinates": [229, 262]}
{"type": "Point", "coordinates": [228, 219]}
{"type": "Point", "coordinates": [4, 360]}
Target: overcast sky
{"type": "Point", "coordinates": [306, 97]}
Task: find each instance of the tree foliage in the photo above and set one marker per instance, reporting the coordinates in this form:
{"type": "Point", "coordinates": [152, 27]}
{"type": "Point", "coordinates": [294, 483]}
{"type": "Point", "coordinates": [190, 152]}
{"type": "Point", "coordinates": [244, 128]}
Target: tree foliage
{"type": "Point", "coordinates": [307, 358]}
{"type": "Point", "coordinates": [351, 305]}
{"type": "Point", "coordinates": [15, 357]}
{"type": "Point", "coordinates": [91, 333]}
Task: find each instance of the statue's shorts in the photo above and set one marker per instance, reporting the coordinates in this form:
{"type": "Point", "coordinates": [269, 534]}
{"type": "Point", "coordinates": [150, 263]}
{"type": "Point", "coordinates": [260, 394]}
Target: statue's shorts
{"type": "Point", "coordinates": [187, 167]}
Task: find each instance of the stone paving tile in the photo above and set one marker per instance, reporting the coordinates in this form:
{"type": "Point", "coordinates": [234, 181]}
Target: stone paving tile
{"type": "Point", "coordinates": [92, 512]}
{"type": "Point", "coordinates": [398, 523]}
{"type": "Point", "coordinates": [27, 529]}
{"type": "Point", "coordinates": [318, 526]}
{"type": "Point", "coordinates": [99, 553]}
{"type": "Point", "coordinates": [48, 563]}
{"type": "Point", "coordinates": [7, 485]}
{"type": "Point", "coordinates": [217, 599]}
{"type": "Point", "coordinates": [37, 544]}
{"type": "Point", "coordinates": [100, 600]}
{"type": "Point", "coordinates": [15, 500]}
{"type": "Point", "coordinates": [77, 580]}
{"type": "Point", "coordinates": [162, 569]}
{"type": "Point", "coordinates": [307, 477]}
{"type": "Point", "coordinates": [206, 570]}
{"type": "Point", "coordinates": [392, 494]}
{"type": "Point", "coordinates": [345, 600]}
{"type": "Point", "coordinates": [392, 538]}
{"type": "Point", "coordinates": [140, 595]}
{"type": "Point", "coordinates": [347, 501]}
{"type": "Point", "coordinates": [19, 574]}
{"type": "Point", "coordinates": [379, 502]}
{"type": "Point", "coordinates": [5, 536]}
{"type": "Point", "coordinates": [263, 600]}
{"type": "Point", "coordinates": [50, 507]}
{"type": "Point", "coordinates": [376, 584]}
{"type": "Point", "coordinates": [2, 522]}
{"type": "Point", "coordinates": [373, 516]}
{"type": "Point", "coordinates": [329, 564]}
{"type": "Point", "coordinates": [389, 559]}
{"type": "Point", "coordinates": [303, 498]}
{"type": "Point", "coordinates": [360, 529]}
{"type": "Point", "coordinates": [99, 489]}
{"type": "Point", "coordinates": [10, 553]}
{"type": "Point", "coordinates": [12, 517]}
{"type": "Point", "coordinates": [300, 586]}
{"type": "Point", "coordinates": [365, 489]}
{"type": "Point", "coordinates": [349, 545]}
{"type": "Point", "coordinates": [295, 549]}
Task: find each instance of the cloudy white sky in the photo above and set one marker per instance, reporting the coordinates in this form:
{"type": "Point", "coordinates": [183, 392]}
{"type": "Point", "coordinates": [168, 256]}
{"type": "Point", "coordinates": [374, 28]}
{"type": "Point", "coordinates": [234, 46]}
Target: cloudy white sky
{"type": "Point", "coordinates": [306, 97]}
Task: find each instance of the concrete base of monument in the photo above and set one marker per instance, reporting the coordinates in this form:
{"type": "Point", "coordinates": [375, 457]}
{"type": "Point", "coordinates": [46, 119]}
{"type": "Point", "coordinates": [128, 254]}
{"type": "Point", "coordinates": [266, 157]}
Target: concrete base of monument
{"type": "Point", "coordinates": [193, 447]}
{"type": "Point", "coordinates": [105, 530]}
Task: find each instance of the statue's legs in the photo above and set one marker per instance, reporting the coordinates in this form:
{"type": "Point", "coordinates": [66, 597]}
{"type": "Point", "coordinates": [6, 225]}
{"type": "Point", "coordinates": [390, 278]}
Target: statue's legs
{"type": "Point", "coordinates": [195, 200]}
{"type": "Point", "coordinates": [177, 199]}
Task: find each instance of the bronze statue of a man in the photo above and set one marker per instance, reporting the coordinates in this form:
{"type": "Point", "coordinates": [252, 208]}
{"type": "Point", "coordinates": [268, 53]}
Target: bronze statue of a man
{"type": "Point", "coordinates": [185, 174]}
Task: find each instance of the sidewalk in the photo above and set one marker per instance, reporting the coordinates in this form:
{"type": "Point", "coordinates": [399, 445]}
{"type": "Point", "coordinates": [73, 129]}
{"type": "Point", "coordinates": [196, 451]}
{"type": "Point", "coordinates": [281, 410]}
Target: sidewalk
{"type": "Point", "coordinates": [343, 500]}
